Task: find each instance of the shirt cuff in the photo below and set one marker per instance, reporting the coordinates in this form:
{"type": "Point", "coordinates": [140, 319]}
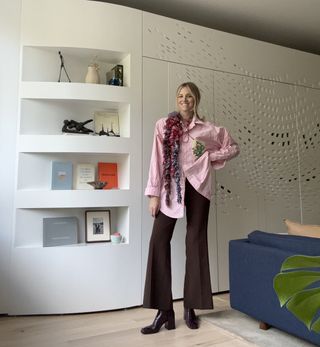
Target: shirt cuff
{"type": "Point", "coordinates": [152, 191]}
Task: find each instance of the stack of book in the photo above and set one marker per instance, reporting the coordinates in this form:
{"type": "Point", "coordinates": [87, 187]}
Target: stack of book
{"type": "Point", "coordinates": [63, 177]}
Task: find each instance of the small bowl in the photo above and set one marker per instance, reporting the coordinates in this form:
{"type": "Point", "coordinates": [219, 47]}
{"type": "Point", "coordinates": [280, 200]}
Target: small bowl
{"type": "Point", "coordinates": [97, 184]}
{"type": "Point", "coordinates": [116, 238]}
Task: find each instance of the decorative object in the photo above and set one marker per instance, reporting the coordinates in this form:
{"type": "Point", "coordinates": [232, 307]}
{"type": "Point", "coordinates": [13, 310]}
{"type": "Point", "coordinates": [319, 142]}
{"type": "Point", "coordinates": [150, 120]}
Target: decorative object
{"type": "Point", "coordinates": [115, 76]}
{"type": "Point", "coordinates": [116, 237]}
{"type": "Point", "coordinates": [74, 127]}
{"type": "Point", "coordinates": [92, 75]}
{"type": "Point", "coordinates": [84, 173]}
{"type": "Point", "coordinates": [62, 67]}
{"type": "Point", "coordinates": [60, 231]}
{"type": "Point", "coordinates": [98, 225]}
{"type": "Point", "coordinates": [61, 175]}
{"type": "Point", "coordinates": [292, 286]}
{"type": "Point", "coordinates": [198, 148]}
{"type": "Point", "coordinates": [98, 184]}
{"type": "Point", "coordinates": [302, 229]}
{"type": "Point", "coordinates": [106, 123]}
{"type": "Point", "coordinates": [171, 146]}
{"type": "Point", "coordinates": [108, 172]}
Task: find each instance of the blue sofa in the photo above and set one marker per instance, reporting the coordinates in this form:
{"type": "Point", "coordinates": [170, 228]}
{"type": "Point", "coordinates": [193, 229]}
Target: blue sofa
{"type": "Point", "coordinates": [253, 263]}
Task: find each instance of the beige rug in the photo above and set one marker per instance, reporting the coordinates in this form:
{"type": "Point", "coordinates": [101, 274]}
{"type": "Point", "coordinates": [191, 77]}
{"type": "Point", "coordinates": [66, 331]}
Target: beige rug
{"type": "Point", "coordinates": [248, 328]}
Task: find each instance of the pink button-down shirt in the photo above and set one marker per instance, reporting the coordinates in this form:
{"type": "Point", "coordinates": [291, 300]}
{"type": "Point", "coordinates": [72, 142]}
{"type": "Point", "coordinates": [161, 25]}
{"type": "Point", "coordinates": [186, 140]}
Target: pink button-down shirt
{"type": "Point", "coordinates": [220, 147]}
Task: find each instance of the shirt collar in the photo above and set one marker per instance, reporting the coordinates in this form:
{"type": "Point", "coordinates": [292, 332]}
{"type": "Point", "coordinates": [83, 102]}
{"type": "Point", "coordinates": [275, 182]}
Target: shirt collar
{"type": "Point", "coordinates": [195, 120]}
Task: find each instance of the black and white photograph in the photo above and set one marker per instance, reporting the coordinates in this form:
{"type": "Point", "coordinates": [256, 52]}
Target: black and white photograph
{"type": "Point", "coordinates": [98, 226]}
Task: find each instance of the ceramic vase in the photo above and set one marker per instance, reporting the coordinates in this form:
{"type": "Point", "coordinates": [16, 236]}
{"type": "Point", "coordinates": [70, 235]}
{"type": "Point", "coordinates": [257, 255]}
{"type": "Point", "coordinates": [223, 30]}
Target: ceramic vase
{"type": "Point", "coordinates": [93, 74]}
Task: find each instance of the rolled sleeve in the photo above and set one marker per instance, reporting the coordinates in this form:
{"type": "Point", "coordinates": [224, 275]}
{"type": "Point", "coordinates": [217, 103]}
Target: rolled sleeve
{"type": "Point", "coordinates": [155, 170]}
{"type": "Point", "coordinates": [228, 150]}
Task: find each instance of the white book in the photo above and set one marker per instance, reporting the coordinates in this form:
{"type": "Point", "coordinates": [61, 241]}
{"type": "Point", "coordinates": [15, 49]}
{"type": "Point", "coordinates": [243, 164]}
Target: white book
{"type": "Point", "coordinates": [84, 173]}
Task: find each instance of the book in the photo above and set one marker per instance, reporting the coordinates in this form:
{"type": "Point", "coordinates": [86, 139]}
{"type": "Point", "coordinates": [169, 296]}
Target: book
{"type": "Point", "coordinates": [84, 173]}
{"type": "Point", "coordinates": [108, 172]}
{"type": "Point", "coordinates": [61, 177]}
{"type": "Point", "coordinates": [60, 231]}
{"type": "Point", "coordinates": [106, 123]}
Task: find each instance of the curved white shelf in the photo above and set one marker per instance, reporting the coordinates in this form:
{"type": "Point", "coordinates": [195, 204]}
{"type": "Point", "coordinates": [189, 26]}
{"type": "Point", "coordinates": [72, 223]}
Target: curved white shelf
{"type": "Point", "coordinates": [73, 198]}
{"type": "Point", "coordinates": [74, 91]}
{"type": "Point", "coordinates": [73, 144]}
{"type": "Point", "coordinates": [78, 245]}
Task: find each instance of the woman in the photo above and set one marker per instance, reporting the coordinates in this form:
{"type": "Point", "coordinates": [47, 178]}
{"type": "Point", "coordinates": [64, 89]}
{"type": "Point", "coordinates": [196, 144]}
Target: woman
{"type": "Point", "coordinates": [185, 148]}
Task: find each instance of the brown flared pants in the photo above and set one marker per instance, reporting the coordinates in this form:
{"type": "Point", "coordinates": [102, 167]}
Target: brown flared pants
{"type": "Point", "coordinates": [197, 285]}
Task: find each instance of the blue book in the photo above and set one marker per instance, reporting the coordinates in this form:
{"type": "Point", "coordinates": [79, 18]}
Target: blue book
{"type": "Point", "coordinates": [61, 175]}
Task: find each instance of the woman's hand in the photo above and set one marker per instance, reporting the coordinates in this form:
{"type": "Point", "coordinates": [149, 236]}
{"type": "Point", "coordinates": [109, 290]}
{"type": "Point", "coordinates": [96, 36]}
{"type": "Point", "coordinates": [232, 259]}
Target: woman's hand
{"type": "Point", "coordinates": [154, 205]}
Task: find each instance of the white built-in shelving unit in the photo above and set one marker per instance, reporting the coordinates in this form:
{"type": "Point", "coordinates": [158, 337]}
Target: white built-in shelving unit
{"type": "Point", "coordinates": [80, 277]}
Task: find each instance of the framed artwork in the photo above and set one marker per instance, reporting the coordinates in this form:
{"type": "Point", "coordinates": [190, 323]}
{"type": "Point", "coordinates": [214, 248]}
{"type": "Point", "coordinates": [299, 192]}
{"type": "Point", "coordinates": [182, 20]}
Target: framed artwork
{"type": "Point", "coordinates": [106, 123]}
{"type": "Point", "coordinates": [98, 225]}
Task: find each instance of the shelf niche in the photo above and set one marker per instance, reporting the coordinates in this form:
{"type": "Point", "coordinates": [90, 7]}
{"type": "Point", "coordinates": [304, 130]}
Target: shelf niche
{"type": "Point", "coordinates": [42, 63]}
{"type": "Point", "coordinates": [35, 169]}
{"type": "Point", "coordinates": [45, 116]}
{"type": "Point", "coordinates": [33, 237]}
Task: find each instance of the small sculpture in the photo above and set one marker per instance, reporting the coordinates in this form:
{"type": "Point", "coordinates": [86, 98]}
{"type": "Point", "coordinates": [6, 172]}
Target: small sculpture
{"type": "Point", "coordinates": [74, 127]}
{"type": "Point", "coordinates": [97, 184]}
{"type": "Point", "coordinates": [62, 67]}
{"type": "Point", "coordinates": [108, 132]}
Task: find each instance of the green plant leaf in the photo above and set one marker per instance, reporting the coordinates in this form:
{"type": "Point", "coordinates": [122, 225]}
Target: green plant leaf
{"type": "Point", "coordinates": [300, 261]}
{"type": "Point", "coordinates": [305, 304]}
{"type": "Point", "coordinates": [287, 284]}
{"type": "Point", "coordinates": [290, 287]}
{"type": "Point", "coordinates": [316, 326]}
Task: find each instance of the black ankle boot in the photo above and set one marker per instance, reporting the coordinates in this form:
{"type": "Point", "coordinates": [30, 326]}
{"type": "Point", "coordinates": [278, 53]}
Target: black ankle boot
{"type": "Point", "coordinates": [162, 317]}
{"type": "Point", "coordinates": [191, 318]}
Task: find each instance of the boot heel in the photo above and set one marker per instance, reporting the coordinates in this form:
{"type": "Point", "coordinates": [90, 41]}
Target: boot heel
{"type": "Point", "coordinates": [170, 323]}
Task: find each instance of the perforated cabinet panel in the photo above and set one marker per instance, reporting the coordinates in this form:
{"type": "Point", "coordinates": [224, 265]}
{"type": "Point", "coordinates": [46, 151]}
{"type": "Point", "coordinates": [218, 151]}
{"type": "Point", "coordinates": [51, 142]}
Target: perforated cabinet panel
{"type": "Point", "coordinates": [271, 108]}
{"type": "Point", "coordinates": [180, 42]}
{"type": "Point", "coordinates": [308, 122]}
{"type": "Point", "coordinates": [238, 187]}
{"type": "Point", "coordinates": [275, 107]}
{"type": "Point", "coordinates": [177, 41]}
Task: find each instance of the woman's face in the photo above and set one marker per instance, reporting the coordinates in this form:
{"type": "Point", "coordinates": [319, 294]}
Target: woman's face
{"type": "Point", "coordinates": [185, 100]}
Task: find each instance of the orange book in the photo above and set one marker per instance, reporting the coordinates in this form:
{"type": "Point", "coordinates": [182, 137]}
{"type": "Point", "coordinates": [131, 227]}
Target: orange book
{"type": "Point", "coordinates": [108, 172]}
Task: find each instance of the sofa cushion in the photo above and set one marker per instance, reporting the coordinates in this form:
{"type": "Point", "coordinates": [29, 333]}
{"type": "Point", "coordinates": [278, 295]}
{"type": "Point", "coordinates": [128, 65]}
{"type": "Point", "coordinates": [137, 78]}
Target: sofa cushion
{"type": "Point", "coordinates": [295, 244]}
{"type": "Point", "coordinates": [295, 228]}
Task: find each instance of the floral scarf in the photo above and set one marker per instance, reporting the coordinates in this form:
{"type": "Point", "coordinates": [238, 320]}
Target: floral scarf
{"type": "Point", "coordinates": [171, 147]}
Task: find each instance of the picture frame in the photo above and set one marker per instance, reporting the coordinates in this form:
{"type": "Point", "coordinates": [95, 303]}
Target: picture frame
{"type": "Point", "coordinates": [98, 226]}
{"type": "Point", "coordinates": [106, 123]}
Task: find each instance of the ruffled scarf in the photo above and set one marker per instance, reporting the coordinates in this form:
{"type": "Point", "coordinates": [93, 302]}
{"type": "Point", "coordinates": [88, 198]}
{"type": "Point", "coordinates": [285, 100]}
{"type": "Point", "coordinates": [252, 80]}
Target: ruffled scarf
{"type": "Point", "coordinates": [171, 147]}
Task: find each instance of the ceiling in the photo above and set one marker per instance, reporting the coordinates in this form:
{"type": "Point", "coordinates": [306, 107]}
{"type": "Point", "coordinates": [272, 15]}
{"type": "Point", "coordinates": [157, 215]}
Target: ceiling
{"type": "Point", "coordinates": [290, 23]}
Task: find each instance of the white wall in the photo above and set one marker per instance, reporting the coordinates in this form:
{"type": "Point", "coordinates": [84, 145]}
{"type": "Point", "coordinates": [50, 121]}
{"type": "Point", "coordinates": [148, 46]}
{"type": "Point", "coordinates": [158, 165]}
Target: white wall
{"type": "Point", "coordinates": [9, 72]}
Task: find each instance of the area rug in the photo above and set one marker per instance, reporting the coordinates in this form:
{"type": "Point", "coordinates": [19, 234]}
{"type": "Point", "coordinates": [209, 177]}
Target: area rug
{"type": "Point", "coordinates": [248, 328]}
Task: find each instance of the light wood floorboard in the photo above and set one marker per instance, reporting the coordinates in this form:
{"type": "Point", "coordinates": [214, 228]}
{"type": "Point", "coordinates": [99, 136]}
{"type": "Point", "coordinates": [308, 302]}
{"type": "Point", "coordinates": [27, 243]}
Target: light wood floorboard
{"type": "Point", "coordinates": [114, 329]}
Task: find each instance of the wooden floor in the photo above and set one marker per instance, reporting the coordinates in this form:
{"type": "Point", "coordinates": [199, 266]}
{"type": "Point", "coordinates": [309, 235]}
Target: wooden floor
{"type": "Point", "coordinates": [114, 329]}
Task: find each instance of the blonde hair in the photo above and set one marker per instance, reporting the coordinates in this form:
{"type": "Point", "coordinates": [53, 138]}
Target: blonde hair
{"type": "Point", "coordinates": [195, 92]}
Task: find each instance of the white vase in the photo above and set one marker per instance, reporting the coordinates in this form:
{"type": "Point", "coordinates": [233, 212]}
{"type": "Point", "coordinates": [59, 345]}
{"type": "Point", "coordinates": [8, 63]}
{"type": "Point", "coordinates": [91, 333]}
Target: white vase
{"type": "Point", "coordinates": [92, 75]}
